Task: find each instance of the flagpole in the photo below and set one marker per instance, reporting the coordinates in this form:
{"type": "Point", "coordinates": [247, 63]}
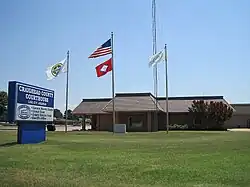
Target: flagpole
{"type": "Point", "coordinates": [155, 71]}
{"type": "Point", "coordinates": [113, 78]}
{"type": "Point", "coordinates": [166, 73]}
{"type": "Point", "coordinates": [67, 90]}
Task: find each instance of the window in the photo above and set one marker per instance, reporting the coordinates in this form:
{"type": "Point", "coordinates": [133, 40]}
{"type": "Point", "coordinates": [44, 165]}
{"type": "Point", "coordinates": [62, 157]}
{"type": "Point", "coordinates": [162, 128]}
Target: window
{"type": "Point", "coordinates": [130, 121]}
{"type": "Point", "coordinates": [197, 121]}
{"type": "Point", "coordinates": [134, 123]}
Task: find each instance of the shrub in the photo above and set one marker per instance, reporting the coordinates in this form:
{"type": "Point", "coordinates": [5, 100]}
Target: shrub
{"type": "Point", "coordinates": [178, 127]}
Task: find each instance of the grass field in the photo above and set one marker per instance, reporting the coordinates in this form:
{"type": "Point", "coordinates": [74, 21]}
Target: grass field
{"type": "Point", "coordinates": [84, 159]}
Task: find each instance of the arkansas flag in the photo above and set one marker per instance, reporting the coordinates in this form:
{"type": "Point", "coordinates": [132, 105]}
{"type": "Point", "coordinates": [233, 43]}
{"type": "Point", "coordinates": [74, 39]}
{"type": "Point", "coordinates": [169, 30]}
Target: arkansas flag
{"type": "Point", "coordinates": [104, 68]}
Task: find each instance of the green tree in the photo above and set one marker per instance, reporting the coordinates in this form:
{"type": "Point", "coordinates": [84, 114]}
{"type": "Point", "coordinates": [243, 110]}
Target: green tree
{"type": "Point", "coordinates": [210, 114]}
{"type": "Point", "coordinates": [70, 115]}
{"type": "Point", "coordinates": [198, 111]}
{"type": "Point", "coordinates": [3, 104]}
{"type": "Point", "coordinates": [74, 117]}
{"type": "Point", "coordinates": [58, 114]}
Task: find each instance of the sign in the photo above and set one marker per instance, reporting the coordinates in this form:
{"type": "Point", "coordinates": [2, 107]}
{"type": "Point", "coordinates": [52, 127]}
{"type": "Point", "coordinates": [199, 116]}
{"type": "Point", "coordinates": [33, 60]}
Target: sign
{"type": "Point", "coordinates": [30, 103]}
{"type": "Point", "coordinates": [120, 128]}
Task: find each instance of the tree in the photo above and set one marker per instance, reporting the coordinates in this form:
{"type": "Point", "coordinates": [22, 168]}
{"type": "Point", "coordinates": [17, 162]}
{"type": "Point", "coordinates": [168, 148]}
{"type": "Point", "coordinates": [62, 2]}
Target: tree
{"type": "Point", "coordinates": [58, 114]}
{"type": "Point", "coordinates": [3, 104]}
{"type": "Point", "coordinates": [219, 112]}
{"type": "Point", "coordinates": [74, 117]}
{"type": "Point", "coordinates": [70, 115]}
{"type": "Point", "coordinates": [198, 111]}
{"type": "Point", "coordinates": [211, 115]}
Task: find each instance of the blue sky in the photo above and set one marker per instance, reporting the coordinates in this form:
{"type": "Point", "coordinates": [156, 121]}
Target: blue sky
{"type": "Point", "coordinates": [208, 46]}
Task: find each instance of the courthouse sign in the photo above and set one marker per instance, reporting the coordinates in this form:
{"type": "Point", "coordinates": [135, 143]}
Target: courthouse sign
{"type": "Point", "coordinates": [30, 103]}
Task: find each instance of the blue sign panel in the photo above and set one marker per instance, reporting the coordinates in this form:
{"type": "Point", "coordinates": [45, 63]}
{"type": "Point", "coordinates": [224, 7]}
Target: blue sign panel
{"type": "Point", "coordinates": [35, 96]}
{"type": "Point", "coordinates": [30, 103]}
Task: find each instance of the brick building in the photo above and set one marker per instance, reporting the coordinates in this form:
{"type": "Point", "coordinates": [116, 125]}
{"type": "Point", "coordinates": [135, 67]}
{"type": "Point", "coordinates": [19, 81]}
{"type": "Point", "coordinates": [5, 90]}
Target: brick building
{"type": "Point", "coordinates": [138, 110]}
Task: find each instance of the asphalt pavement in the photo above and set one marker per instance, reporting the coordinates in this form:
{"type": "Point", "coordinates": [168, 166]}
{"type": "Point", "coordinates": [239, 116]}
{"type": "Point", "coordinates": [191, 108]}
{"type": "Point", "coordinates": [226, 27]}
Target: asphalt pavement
{"type": "Point", "coordinates": [58, 127]}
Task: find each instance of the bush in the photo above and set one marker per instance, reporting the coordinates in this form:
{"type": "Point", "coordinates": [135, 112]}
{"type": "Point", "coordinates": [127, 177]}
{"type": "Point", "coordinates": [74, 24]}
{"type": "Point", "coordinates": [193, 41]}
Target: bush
{"type": "Point", "coordinates": [51, 127]}
{"type": "Point", "coordinates": [193, 128]}
{"type": "Point", "coordinates": [178, 127]}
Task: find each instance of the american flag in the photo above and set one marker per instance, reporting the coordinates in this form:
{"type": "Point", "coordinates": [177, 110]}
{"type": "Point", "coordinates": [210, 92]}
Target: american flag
{"type": "Point", "coordinates": [103, 50]}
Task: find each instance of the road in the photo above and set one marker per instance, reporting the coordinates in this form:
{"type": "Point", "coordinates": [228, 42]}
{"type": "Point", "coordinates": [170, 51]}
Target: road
{"type": "Point", "coordinates": [58, 127]}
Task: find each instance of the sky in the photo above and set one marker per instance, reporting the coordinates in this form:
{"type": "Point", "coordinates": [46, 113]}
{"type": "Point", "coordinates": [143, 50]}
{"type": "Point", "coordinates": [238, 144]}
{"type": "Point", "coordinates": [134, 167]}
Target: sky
{"type": "Point", "coordinates": [208, 46]}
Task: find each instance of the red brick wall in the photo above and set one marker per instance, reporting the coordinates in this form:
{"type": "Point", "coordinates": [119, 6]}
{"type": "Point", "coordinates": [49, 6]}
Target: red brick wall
{"type": "Point", "coordinates": [105, 122]}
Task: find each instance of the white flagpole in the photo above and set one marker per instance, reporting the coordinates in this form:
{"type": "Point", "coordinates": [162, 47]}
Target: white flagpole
{"type": "Point", "coordinates": [166, 69]}
{"type": "Point", "coordinates": [67, 94]}
{"type": "Point", "coordinates": [113, 78]}
{"type": "Point", "coordinates": [155, 71]}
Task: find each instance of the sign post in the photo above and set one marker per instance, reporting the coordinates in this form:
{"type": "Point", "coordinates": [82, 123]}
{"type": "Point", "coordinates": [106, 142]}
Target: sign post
{"type": "Point", "coordinates": [32, 108]}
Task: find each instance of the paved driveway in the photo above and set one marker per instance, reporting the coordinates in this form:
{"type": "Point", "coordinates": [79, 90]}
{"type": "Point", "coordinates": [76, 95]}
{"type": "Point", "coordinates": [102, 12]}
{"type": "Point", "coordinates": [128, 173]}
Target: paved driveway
{"type": "Point", "coordinates": [58, 127]}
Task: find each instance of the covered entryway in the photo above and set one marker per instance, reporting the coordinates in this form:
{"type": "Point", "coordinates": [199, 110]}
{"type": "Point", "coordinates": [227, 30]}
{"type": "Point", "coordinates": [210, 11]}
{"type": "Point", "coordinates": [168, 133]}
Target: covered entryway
{"type": "Point", "coordinates": [137, 121]}
{"type": "Point", "coordinates": [136, 111]}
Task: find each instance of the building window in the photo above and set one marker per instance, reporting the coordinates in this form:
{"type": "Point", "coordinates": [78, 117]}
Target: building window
{"type": "Point", "coordinates": [197, 121]}
{"type": "Point", "coordinates": [132, 122]}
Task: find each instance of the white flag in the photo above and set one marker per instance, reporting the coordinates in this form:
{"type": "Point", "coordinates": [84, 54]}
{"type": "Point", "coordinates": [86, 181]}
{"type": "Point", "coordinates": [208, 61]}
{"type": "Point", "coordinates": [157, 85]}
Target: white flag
{"type": "Point", "coordinates": [158, 57]}
{"type": "Point", "coordinates": [54, 70]}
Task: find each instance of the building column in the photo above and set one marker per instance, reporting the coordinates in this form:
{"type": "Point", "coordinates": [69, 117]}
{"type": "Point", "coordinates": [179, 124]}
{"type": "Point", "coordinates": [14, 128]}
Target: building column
{"type": "Point", "coordinates": [98, 122]}
{"type": "Point", "coordinates": [149, 122]}
{"type": "Point", "coordinates": [83, 122]}
{"type": "Point", "coordinates": [117, 118]}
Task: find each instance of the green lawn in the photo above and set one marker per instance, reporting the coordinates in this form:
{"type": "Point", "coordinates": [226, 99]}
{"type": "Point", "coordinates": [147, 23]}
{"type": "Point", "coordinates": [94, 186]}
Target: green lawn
{"type": "Point", "coordinates": [84, 159]}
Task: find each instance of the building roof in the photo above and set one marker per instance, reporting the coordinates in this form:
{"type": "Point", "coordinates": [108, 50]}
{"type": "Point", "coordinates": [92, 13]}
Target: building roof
{"type": "Point", "coordinates": [129, 102]}
{"type": "Point", "coordinates": [242, 109]}
{"type": "Point", "coordinates": [91, 106]}
{"type": "Point", "coordinates": [181, 104]}
{"type": "Point", "coordinates": [140, 102]}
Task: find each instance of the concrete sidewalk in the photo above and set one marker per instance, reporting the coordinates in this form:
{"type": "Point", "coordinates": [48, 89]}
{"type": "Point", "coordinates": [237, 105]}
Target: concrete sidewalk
{"type": "Point", "coordinates": [239, 130]}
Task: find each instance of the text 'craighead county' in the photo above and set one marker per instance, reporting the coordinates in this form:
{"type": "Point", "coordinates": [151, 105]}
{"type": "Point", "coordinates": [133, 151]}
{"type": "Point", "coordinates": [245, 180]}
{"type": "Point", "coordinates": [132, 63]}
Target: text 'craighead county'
{"type": "Point", "coordinates": [35, 92]}
{"type": "Point", "coordinates": [36, 96]}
